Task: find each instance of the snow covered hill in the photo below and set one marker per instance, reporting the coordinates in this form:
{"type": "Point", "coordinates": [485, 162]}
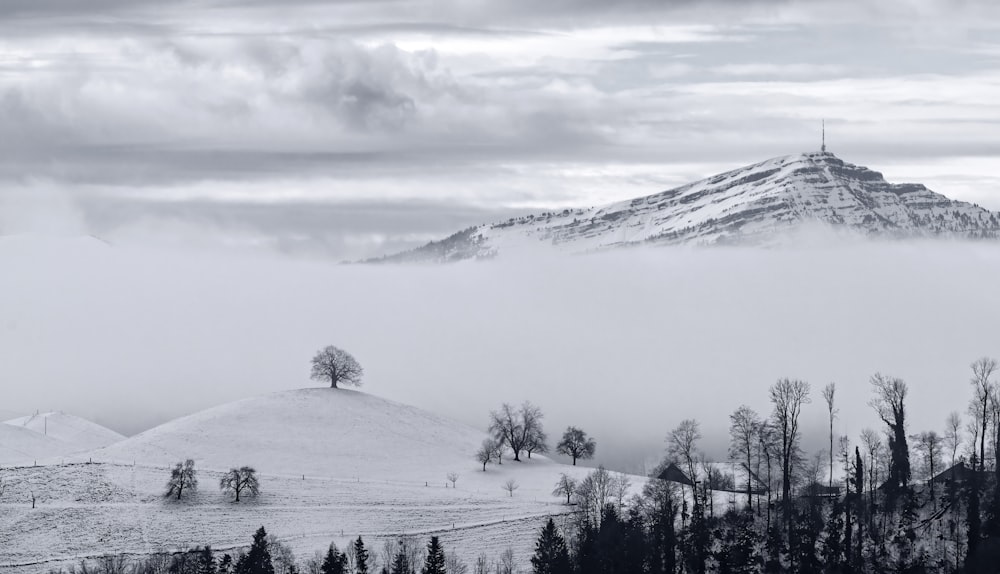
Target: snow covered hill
{"type": "Point", "coordinates": [75, 432]}
{"type": "Point", "coordinates": [333, 464]}
{"type": "Point", "coordinates": [330, 432]}
{"type": "Point", "coordinates": [23, 447]}
{"type": "Point", "coordinates": [751, 205]}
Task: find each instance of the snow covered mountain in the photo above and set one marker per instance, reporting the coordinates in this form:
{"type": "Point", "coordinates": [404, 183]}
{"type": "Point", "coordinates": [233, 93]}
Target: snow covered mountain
{"type": "Point", "coordinates": [751, 205]}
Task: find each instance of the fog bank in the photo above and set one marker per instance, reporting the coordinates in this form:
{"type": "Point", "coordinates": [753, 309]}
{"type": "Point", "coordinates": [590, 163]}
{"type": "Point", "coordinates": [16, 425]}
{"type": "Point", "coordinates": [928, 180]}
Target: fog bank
{"type": "Point", "coordinates": [624, 344]}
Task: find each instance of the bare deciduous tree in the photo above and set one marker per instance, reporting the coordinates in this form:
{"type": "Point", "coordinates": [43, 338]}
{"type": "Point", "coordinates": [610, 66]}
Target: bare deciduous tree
{"type": "Point", "coordinates": [681, 444]}
{"type": "Point", "coordinates": [828, 395]}
{"type": "Point", "coordinates": [982, 381]}
{"type": "Point", "coordinates": [620, 486]}
{"type": "Point", "coordinates": [595, 492]}
{"type": "Point", "coordinates": [788, 396]}
{"type": "Point", "coordinates": [890, 404]}
{"type": "Point", "coordinates": [537, 442]}
{"type": "Point", "coordinates": [928, 445]}
{"type": "Point", "coordinates": [517, 427]}
{"type": "Point", "coordinates": [873, 448]}
{"type": "Point", "coordinates": [744, 424]}
{"type": "Point", "coordinates": [510, 486]}
{"type": "Point", "coordinates": [576, 444]}
{"type": "Point", "coordinates": [240, 480]}
{"type": "Point", "coordinates": [953, 435]}
{"type": "Point", "coordinates": [183, 476]}
{"type": "Point", "coordinates": [336, 366]}
{"type": "Point", "coordinates": [453, 478]}
{"type": "Point", "coordinates": [485, 452]}
{"type": "Point", "coordinates": [565, 487]}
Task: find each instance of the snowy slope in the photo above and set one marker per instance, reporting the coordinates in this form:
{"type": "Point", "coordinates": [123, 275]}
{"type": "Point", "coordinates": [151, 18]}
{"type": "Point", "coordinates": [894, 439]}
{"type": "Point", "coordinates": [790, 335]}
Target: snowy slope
{"type": "Point", "coordinates": [20, 446]}
{"type": "Point", "coordinates": [77, 433]}
{"type": "Point", "coordinates": [333, 464]}
{"type": "Point", "coordinates": [330, 432]}
{"type": "Point", "coordinates": [754, 204]}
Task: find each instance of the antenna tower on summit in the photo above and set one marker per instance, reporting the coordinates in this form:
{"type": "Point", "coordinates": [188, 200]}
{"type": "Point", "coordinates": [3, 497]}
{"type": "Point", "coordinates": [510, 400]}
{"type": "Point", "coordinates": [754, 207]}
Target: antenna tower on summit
{"type": "Point", "coordinates": [823, 147]}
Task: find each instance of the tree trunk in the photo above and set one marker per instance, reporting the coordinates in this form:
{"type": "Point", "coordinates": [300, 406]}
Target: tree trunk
{"type": "Point", "coordinates": [333, 382]}
{"type": "Point", "coordinates": [574, 460]}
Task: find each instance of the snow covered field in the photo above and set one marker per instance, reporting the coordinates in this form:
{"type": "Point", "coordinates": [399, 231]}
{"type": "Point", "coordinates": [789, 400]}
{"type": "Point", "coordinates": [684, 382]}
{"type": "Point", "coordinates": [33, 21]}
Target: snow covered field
{"type": "Point", "coordinates": [334, 464]}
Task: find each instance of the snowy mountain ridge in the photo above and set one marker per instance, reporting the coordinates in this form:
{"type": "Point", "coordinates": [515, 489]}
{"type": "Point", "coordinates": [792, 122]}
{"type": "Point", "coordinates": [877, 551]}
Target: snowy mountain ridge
{"type": "Point", "coordinates": [750, 205]}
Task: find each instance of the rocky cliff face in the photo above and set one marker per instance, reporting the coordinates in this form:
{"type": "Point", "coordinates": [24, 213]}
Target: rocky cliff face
{"type": "Point", "coordinates": [751, 205]}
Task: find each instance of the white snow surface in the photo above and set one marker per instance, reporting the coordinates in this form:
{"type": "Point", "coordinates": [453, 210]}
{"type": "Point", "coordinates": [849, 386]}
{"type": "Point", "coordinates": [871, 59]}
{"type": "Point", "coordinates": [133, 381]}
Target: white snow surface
{"type": "Point", "coordinates": [75, 432]}
{"type": "Point", "coordinates": [337, 433]}
{"type": "Point", "coordinates": [757, 204]}
{"type": "Point", "coordinates": [333, 465]}
{"type": "Point", "coordinates": [22, 447]}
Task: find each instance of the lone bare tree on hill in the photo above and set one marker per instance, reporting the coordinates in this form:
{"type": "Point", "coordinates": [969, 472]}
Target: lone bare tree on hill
{"type": "Point", "coordinates": [183, 476]}
{"type": "Point", "coordinates": [575, 443]}
{"type": "Point", "coordinates": [337, 366]}
{"type": "Point", "coordinates": [238, 480]}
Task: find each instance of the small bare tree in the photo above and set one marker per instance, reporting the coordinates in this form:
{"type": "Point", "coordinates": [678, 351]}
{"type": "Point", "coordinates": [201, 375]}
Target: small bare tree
{"type": "Point", "coordinates": [828, 395]}
{"type": "Point", "coordinates": [183, 476]}
{"type": "Point", "coordinates": [507, 564]}
{"type": "Point", "coordinates": [510, 486]}
{"type": "Point", "coordinates": [565, 487]}
{"type": "Point", "coordinates": [620, 485]}
{"type": "Point", "coordinates": [537, 442]}
{"type": "Point", "coordinates": [681, 444]}
{"type": "Point", "coordinates": [453, 478]}
{"type": "Point", "coordinates": [576, 444]}
{"type": "Point", "coordinates": [485, 453]}
{"type": "Point", "coordinates": [953, 435]}
{"type": "Point", "coordinates": [337, 366]}
{"type": "Point", "coordinates": [239, 480]}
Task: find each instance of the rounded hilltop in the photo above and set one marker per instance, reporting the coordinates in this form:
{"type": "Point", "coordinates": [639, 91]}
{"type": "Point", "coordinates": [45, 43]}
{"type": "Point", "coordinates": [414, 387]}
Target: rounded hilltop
{"type": "Point", "coordinates": [337, 433]}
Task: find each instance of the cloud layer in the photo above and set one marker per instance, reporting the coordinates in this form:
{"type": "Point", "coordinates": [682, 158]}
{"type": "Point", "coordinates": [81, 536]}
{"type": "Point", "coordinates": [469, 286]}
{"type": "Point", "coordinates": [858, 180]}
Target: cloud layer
{"type": "Point", "coordinates": [479, 106]}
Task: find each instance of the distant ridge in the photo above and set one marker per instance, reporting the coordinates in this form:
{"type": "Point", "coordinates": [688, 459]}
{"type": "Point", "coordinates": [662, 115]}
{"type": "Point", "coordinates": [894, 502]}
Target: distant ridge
{"type": "Point", "coordinates": [75, 432]}
{"type": "Point", "coordinates": [755, 204]}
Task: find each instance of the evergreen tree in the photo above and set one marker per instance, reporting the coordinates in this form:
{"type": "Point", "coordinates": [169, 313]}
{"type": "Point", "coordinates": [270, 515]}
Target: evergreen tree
{"type": "Point", "coordinates": [206, 561]}
{"type": "Point", "coordinates": [585, 557]}
{"type": "Point", "coordinates": [360, 557]}
{"type": "Point", "coordinates": [739, 543]}
{"type": "Point", "coordinates": [434, 562]}
{"type": "Point", "coordinates": [334, 562]}
{"type": "Point", "coordinates": [635, 542]}
{"type": "Point", "coordinates": [258, 559]}
{"type": "Point", "coordinates": [551, 555]}
{"type": "Point", "coordinates": [400, 564]}
{"type": "Point", "coordinates": [610, 543]}
{"type": "Point", "coordinates": [226, 564]}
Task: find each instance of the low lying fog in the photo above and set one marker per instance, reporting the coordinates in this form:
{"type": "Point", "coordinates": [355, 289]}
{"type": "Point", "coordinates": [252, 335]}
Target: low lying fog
{"type": "Point", "coordinates": [623, 344]}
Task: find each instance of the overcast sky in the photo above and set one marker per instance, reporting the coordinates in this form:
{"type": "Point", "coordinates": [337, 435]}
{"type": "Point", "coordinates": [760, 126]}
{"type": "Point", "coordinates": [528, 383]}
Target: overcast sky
{"type": "Point", "coordinates": [348, 129]}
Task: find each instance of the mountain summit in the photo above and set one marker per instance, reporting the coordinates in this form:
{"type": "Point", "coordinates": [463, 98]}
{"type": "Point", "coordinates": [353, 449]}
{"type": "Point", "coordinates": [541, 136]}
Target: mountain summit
{"type": "Point", "coordinates": [750, 205]}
